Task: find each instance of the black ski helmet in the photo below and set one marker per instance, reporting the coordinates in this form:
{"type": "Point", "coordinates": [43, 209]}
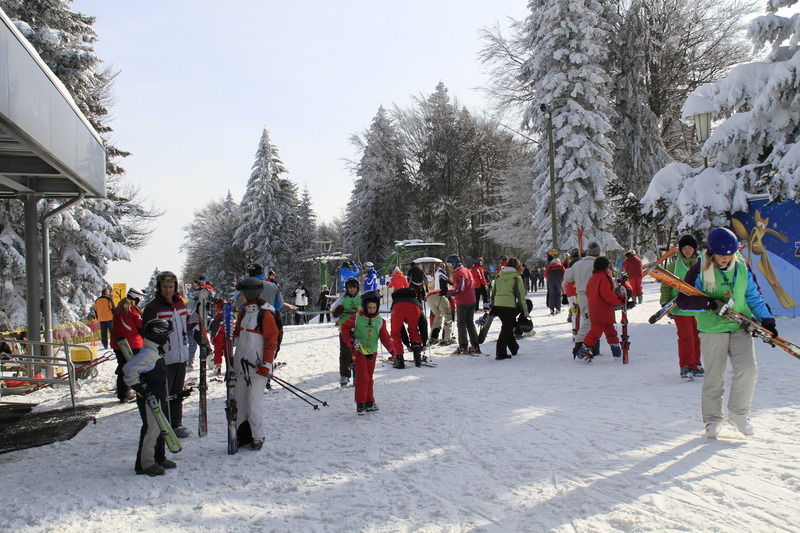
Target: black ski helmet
{"type": "Point", "coordinates": [157, 330]}
{"type": "Point", "coordinates": [370, 297]}
{"type": "Point", "coordinates": [251, 288]}
{"type": "Point", "coordinates": [351, 281]}
{"type": "Point", "coordinates": [166, 275]}
{"type": "Point", "coordinates": [453, 259]}
{"type": "Point", "coordinates": [254, 269]}
{"type": "Point", "coordinates": [525, 324]}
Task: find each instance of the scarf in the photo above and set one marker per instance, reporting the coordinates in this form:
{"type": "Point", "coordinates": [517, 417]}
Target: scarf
{"type": "Point", "coordinates": [709, 279]}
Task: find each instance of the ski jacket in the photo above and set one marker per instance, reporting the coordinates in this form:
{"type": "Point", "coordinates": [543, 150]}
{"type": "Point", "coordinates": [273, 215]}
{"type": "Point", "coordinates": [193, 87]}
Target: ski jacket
{"type": "Point", "coordinates": [345, 307]}
{"type": "Point", "coordinates": [148, 368]}
{"type": "Point", "coordinates": [463, 287]}
{"type": "Point", "coordinates": [176, 350]}
{"type": "Point", "coordinates": [633, 266]}
{"type": "Point", "coordinates": [346, 273]}
{"type": "Point", "coordinates": [735, 282]}
{"type": "Point", "coordinates": [397, 281]}
{"type": "Point", "coordinates": [442, 281]}
{"type": "Point", "coordinates": [324, 302]}
{"type": "Point", "coordinates": [256, 342]}
{"type": "Point", "coordinates": [371, 283]}
{"type": "Point", "coordinates": [579, 273]}
{"type": "Point", "coordinates": [509, 290]}
{"type": "Point", "coordinates": [104, 309]}
{"type": "Point", "coordinates": [554, 273]}
{"type": "Point", "coordinates": [366, 331]}
{"type": "Point", "coordinates": [406, 295]}
{"type": "Point", "coordinates": [603, 298]}
{"type": "Point", "coordinates": [478, 276]}
{"type": "Point", "coordinates": [301, 296]}
{"type": "Point", "coordinates": [127, 325]}
{"type": "Point", "coordinates": [680, 267]}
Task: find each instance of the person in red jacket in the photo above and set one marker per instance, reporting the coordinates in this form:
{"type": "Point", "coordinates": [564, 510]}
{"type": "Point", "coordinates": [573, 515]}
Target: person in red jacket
{"type": "Point", "coordinates": [126, 324]}
{"type": "Point", "coordinates": [479, 280]}
{"type": "Point", "coordinates": [397, 280]}
{"type": "Point", "coordinates": [603, 296]}
{"type": "Point", "coordinates": [633, 266]}
{"type": "Point", "coordinates": [464, 295]}
{"type": "Point", "coordinates": [218, 335]}
{"type": "Point", "coordinates": [406, 312]}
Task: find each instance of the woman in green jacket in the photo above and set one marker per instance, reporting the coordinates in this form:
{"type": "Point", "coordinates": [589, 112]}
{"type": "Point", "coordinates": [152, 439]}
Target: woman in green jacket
{"type": "Point", "coordinates": [508, 301]}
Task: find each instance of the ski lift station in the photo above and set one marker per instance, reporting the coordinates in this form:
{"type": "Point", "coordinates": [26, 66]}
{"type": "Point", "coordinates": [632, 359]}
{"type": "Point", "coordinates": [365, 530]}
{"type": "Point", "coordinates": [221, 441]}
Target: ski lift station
{"type": "Point", "coordinates": [48, 149]}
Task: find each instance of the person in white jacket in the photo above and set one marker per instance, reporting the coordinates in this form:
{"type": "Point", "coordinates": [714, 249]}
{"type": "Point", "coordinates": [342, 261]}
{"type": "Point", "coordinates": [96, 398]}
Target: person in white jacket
{"type": "Point", "coordinates": [579, 273]}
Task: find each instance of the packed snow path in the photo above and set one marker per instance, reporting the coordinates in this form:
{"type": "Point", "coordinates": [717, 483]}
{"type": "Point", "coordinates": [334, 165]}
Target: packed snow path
{"type": "Point", "coordinates": [535, 443]}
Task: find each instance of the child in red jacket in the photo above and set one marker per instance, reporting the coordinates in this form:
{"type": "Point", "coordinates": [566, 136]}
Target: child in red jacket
{"type": "Point", "coordinates": [604, 296]}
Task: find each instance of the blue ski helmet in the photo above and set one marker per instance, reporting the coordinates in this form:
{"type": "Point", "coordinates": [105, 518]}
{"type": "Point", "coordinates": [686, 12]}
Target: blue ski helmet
{"type": "Point", "coordinates": [722, 241]}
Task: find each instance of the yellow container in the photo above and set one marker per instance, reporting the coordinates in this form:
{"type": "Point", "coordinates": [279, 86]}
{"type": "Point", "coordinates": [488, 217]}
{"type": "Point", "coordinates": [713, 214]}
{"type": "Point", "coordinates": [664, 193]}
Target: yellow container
{"type": "Point", "coordinates": [84, 354]}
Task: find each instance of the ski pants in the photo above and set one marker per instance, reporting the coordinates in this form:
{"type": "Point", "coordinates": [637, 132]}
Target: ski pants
{"type": "Point", "coordinates": [192, 347]}
{"type": "Point", "coordinates": [176, 375]}
{"type": "Point", "coordinates": [364, 383]}
{"type": "Point", "coordinates": [506, 340]}
{"type": "Point", "coordinates": [688, 341]}
{"type": "Point", "coordinates": [593, 337]}
{"type": "Point", "coordinates": [585, 323]}
{"type": "Point", "coordinates": [636, 286]}
{"type": "Point", "coordinates": [465, 317]}
{"type": "Point", "coordinates": [151, 443]}
{"type": "Point", "coordinates": [717, 347]}
{"type": "Point", "coordinates": [405, 313]}
{"type": "Point", "coordinates": [345, 358]}
{"type": "Point", "coordinates": [105, 331]}
{"type": "Point", "coordinates": [122, 388]}
{"type": "Point", "coordinates": [249, 393]}
{"type": "Point", "coordinates": [440, 307]}
{"type": "Point", "coordinates": [481, 291]}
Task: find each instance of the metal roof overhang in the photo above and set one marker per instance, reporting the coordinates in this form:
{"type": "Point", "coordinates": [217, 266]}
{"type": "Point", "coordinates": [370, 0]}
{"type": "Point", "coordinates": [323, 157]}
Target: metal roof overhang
{"type": "Point", "coordinates": [47, 147]}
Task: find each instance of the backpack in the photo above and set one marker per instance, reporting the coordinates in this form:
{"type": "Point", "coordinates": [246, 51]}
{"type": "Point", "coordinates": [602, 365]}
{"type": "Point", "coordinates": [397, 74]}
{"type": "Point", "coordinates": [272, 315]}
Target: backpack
{"type": "Point", "coordinates": [278, 322]}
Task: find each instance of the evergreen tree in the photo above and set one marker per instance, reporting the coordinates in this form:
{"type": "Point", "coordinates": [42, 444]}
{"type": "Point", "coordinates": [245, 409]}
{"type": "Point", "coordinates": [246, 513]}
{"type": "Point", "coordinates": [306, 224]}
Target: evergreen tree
{"type": "Point", "coordinates": [150, 290]}
{"type": "Point", "coordinates": [565, 73]}
{"type": "Point", "coordinates": [303, 245]}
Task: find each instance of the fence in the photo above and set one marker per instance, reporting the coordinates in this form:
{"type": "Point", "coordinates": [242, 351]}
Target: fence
{"type": "Point", "coordinates": [31, 362]}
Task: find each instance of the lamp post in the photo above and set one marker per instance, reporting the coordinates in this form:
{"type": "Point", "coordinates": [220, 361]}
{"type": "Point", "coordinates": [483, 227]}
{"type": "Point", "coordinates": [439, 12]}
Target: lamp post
{"type": "Point", "coordinates": [702, 129]}
{"type": "Point", "coordinates": [552, 158]}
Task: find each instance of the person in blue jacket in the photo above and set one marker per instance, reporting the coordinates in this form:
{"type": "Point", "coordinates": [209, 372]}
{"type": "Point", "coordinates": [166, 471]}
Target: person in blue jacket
{"type": "Point", "coordinates": [371, 280]}
{"type": "Point", "coordinates": [348, 270]}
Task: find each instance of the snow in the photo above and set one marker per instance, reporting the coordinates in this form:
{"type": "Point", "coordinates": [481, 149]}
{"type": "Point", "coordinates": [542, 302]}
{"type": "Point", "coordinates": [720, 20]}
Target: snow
{"type": "Point", "coordinates": [535, 443]}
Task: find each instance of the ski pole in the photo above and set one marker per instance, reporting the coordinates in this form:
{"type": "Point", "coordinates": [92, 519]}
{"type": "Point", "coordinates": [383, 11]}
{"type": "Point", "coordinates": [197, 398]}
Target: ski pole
{"type": "Point", "coordinates": [315, 406]}
{"type": "Point", "coordinates": [286, 384]}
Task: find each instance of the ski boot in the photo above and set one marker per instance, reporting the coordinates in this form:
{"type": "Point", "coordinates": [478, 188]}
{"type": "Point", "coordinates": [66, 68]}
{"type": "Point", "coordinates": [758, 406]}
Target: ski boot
{"type": "Point", "coordinates": [371, 407]}
{"type": "Point", "coordinates": [585, 353]}
{"type": "Point", "coordinates": [712, 430]}
{"type": "Point", "coordinates": [257, 444]}
{"type": "Point", "coordinates": [698, 371]}
{"type": "Point", "coordinates": [686, 373]}
{"type": "Point", "coordinates": [399, 363]}
{"type": "Point", "coordinates": [576, 349]}
{"type": "Point", "coordinates": [417, 349]}
{"type": "Point", "coordinates": [343, 381]}
{"type": "Point", "coordinates": [361, 409]}
{"type": "Point", "coordinates": [616, 350]}
{"type": "Point", "coordinates": [434, 336]}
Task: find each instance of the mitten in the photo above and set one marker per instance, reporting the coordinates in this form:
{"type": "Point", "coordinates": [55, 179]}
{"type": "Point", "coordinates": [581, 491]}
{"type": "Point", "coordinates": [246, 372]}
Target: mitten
{"type": "Point", "coordinates": [264, 369]}
{"type": "Point", "coordinates": [769, 323]}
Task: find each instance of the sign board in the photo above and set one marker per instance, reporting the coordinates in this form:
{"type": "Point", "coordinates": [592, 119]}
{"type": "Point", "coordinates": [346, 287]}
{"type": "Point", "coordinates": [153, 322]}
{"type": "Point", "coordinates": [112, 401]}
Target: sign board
{"type": "Point", "coordinates": [120, 291]}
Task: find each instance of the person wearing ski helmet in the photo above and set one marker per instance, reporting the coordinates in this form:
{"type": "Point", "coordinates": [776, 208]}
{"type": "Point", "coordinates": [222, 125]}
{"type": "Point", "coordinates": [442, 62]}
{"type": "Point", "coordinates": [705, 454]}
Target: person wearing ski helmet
{"type": "Point", "coordinates": [371, 279]}
{"type": "Point", "coordinates": [271, 293]}
{"type": "Point", "coordinates": [685, 322]}
{"type": "Point", "coordinates": [146, 373]}
{"type": "Point", "coordinates": [343, 308]}
{"type": "Point", "coordinates": [406, 312]}
{"type": "Point", "coordinates": [349, 270]}
{"type": "Point", "coordinates": [168, 305]}
{"type": "Point", "coordinates": [255, 343]}
{"type": "Point", "coordinates": [579, 273]}
{"type": "Point", "coordinates": [724, 276]}
{"type": "Point", "coordinates": [360, 333]}
{"type": "Point", "coordinates": [463, 292]}
{"type": "Point", "coordinates": [127, 324]}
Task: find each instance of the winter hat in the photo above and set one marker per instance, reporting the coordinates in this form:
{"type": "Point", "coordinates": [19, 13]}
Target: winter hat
{"type": "Point", "coordinates": [453, 260]}
{"type": "Point", "coordinates": [593, 249]}
{"type": "Point", "coordinates": [687, 240]}
{"type": "Point", "coordinates": [254, 269]}
{"type": "Point", "coordinates": [370, 297]}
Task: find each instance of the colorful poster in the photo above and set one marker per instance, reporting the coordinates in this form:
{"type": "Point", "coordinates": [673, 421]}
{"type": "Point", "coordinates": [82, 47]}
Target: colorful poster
{"type": "Point", "coordinates": [120, 291]}
{"type": "Point", "coordinates": [771, 233]}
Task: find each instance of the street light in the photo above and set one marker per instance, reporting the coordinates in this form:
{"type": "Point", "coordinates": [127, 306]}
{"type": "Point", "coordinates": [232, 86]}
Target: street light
{"type": "Point", "coordinates": [552, 157]}
{"type": "Point", "coordinates": [702, 130]}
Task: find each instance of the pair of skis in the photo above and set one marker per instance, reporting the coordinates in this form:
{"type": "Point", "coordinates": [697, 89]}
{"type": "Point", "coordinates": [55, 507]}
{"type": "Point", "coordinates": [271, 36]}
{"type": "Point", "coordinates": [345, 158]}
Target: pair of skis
{"type": "Point", "coordinates": [154, 405]}
{"type": "Point", "coordinates": [753, 328]}
{"type": "Point", "coordinates": [202, 309]}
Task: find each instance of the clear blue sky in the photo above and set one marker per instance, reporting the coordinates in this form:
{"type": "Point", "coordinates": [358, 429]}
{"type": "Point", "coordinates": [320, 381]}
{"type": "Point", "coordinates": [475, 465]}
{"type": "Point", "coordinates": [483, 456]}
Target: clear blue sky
{"type": "Point", "coordinates": [199, 80]}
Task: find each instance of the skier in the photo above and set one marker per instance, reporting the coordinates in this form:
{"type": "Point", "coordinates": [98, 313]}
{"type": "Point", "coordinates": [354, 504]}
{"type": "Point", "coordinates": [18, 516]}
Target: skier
{"type": "Point", "coordinates": [579, 272]}
{"type": "Point", "coordinates": [554, 273]}
{"type": "Point", "coordinates": [168, 305]}
{"type": "Point", "coordinates": [397, 280]}
{"type": "Point", "coordinates": [218, 336]}
{"type": "Point", "coordinates": [301, 299]}
{"type": "Point", "coordinates": [526, 277]}
{"type": "Point", "coordinates": [104, 311]}
{"type": "Point", "coordinates": [271, 293]}
{"type": "Point", "coordinates": [464, 295]}
{"type": "Point", "coordinates": [633, 266]}
{"type": "Point", "coordinates": [724, 276]}
{"type": "Point", "coordinates": [406, 309]}
{"type": "Point", "coordinates": [361, 333]}
{"type": "Point", "coordinates": [440, 307]}
{"type": "Point", "coordinates": [127, 324]}
{"type": "Point", "coordinates": [479, 279]}
{"type": "Point", "coordinates": [323, 303]}
{"type": "Point", "coordinates": [508, 301]}
{"type": "Point", "coordinates": [371, 281]}
{"type": "Point", "coordinates": [256, 342]}
{"type": "Point", "coordinates": [685, 322]}
{"type": "Point", "coordinates": [348, 270]}
{"type": "Point", "coordinates": [342, 309]}
{"type": "Point", "coordinates": [146, 372]}
{"type": "Point", "coordinates": [603, 297]}
{"type": "Point", "coordinates": [416, 280]}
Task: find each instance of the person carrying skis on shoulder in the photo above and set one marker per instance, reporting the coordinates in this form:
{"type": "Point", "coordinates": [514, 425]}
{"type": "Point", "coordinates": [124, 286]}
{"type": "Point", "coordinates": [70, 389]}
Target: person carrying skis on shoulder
{"type": "Point", "coordinates": [633, 267]}
{"type": "Point", "coordinates": [406, 311]}
{"type": "Point", "coordinates": [168, 305]}
{"type": "Point", "coordinates": [603, 297]}
{"type": "Point", "coordinates": [464, 295]}
{"type": "Point", "coordinates": [147, 372]}
{"type": "Point", "coordinates": [371, 279]}
{"type": "Point", "coordinates": [580, 272]}
{"type": "Point", "coordinates": [508, 301]}
{"type": "Point", "coordinates": [685, 322]}
{"type": "Point", "coordinates": [127, 325]}
{"type": "Point", "coordinates": [342, 309]}
{"type": "Point", "coordinates": [397, 280]}
{"type": "Point", "coordinates": [256, 337]}
{"type": "Point", "coordinates": [724, 276]}
{"type": "Point", "coordinates": [481, 286]}
{"type": "Point", "coordinates": [361, 333]}
{"type": "Point", "coordinates": [440, 307]}
{"type": "Point", "coordinates": [348, 270]}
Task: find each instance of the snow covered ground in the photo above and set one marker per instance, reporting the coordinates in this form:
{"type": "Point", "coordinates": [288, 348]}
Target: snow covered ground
{"type": "Point", "coordinates": [534, 443]}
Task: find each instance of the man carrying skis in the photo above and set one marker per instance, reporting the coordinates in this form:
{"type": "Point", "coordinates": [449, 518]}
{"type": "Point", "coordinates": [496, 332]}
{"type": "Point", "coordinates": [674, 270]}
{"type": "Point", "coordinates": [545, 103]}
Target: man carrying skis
{"type": "Point", "coordinates": [255, 341]}
{"type": "Point", "coordinates": [579, 272]}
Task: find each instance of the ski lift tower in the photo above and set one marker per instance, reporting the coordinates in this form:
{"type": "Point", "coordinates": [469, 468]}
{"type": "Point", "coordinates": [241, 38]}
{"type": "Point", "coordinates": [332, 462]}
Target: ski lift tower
{"type": "Point", "coordinates": [324, 256]}
{"type": "Point", "coordinates": [404, 249]}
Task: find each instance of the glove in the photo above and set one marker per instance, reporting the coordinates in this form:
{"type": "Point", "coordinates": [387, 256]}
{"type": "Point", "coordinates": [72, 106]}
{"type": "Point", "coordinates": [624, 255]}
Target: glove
{"type": "Point", "coordinates": [769, 323]}
{"type": "Point", "coordinates": [714, 304]}
{"type": "Point", "coordinates": [264, 369]}
{"type": "Point", "coordinates": [369, 356]}
{"type": "Point", "coordinates": [142, 389]}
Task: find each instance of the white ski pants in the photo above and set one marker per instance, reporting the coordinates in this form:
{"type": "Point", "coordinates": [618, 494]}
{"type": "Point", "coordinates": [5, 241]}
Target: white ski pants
{"type": "Point", "coordinates": [250, 398]}
{"type": "Point", "coordinates": [716, 348]}
{"type": "Point", "coordinates": [586, 324]}
{"type": "Point", "coordinates": [440, 307]}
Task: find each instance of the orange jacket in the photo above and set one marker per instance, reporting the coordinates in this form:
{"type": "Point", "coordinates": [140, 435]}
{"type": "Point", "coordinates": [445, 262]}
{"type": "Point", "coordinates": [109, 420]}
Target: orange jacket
{"type": "Point", "coordinates": [397, 281]}
{"type": "Point", "coordinates": [104, 309]}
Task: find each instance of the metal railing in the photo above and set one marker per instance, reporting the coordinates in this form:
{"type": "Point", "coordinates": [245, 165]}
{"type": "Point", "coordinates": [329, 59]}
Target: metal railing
{"type": "Point", "coordinates": [34, 361]}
